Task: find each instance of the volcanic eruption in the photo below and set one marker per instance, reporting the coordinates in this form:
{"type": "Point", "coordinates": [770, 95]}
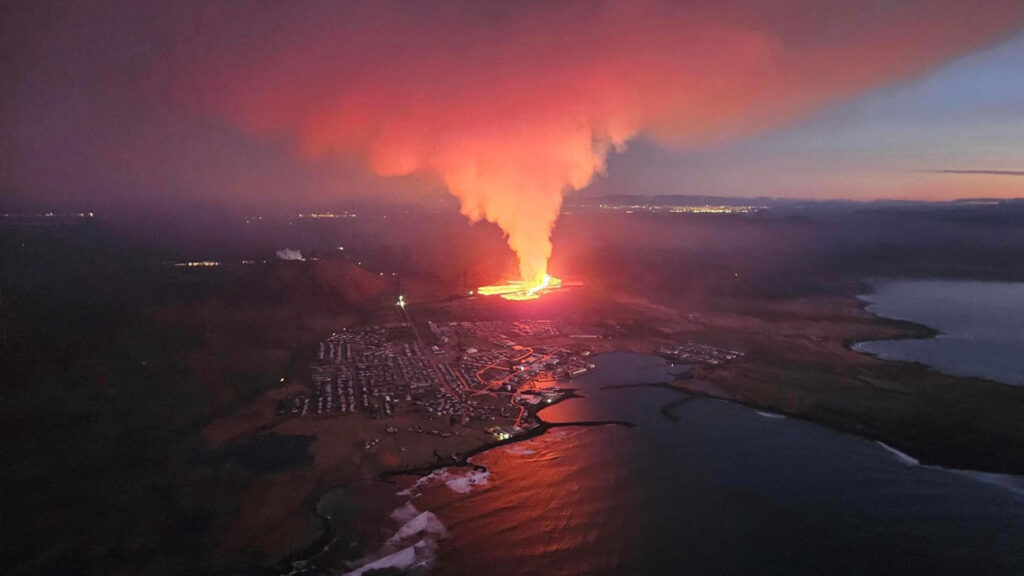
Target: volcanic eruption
{"type": "Point", "coordinates": [511, 115]}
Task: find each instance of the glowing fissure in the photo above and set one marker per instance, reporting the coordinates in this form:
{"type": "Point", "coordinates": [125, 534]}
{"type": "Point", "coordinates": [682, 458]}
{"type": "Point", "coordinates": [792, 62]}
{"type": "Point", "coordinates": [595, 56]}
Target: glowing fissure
{"type": "Point", "coordinates": [520, 290]}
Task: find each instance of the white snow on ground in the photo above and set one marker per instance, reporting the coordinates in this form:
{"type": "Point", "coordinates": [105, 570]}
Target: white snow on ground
{"type": "Point", "coordinates": [413, 490]}
{"type": "Point", "coordinates": [424, 525]}
{"type": "Point", "coordinates": [404, 513]}
{"type": "Point", "coordinates": [425, 529]}
{"type": "Point", "coordinates": [459, 482]}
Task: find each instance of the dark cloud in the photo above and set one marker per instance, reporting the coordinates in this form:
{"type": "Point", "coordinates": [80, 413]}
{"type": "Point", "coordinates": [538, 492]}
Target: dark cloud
{"type": "Point", "coordinates": [985, 172]}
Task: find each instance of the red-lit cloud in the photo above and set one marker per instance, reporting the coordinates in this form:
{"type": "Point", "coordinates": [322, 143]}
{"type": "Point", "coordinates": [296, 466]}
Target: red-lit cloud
{"type": "Point", "coordinates": [512, 106]}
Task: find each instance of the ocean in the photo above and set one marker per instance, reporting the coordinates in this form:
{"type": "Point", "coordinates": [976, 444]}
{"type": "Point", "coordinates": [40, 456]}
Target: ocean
{"type": "Point", "coordinates": [981, 325]}
{"type": "Point", "coordinates": [710, 488]}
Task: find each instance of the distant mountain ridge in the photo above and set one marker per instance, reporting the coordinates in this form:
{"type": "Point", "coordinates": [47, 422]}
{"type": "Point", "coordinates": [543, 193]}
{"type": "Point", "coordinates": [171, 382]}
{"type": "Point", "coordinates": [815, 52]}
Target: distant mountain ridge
{"type": "Point", "coordinates": [772, 202]}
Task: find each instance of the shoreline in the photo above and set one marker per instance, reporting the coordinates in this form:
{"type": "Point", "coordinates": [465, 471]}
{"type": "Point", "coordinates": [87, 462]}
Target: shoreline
{"type": "Point", "coordinates": [906, 457]}
{"type": "Point", "coordinates": [925, 332]}
{"type": "Point", "coordinates": [541, 428]}
{"type": "Point", "coordinates": [938, 453]}
{"type": "Point", "coordinates": [690, 390]}
{"type": "Point", "coordinates": [1008, 481]}
{"type": "Point", "coordinates": [326, 538]}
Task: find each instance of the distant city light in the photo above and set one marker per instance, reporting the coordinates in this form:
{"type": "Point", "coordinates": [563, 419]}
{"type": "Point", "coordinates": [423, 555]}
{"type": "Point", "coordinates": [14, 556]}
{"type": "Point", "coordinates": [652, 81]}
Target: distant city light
{"type": "Point", "coordinates": [328, 215]}
{"type": "Point", "coordinates": [695, 209]}
{"type": "Point", "coordinates": [50, 215]}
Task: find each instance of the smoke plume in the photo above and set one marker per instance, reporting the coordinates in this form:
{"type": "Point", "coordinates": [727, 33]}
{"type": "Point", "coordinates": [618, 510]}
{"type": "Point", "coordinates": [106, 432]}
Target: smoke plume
{"type": "Point", "coordinates": [289, 254]}
{"type": "Point", "coordinates": [511, 105]}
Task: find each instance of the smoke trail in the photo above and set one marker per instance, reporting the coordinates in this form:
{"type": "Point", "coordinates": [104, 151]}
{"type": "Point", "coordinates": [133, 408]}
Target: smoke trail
{"type": "Point", "coordinates": [289, 254]}
{"type": "Point", "coordinates": [513, 105]}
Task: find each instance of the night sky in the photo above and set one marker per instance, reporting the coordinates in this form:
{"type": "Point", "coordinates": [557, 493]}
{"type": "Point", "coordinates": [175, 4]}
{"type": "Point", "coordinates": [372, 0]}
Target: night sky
{"type": "Point", "coordinates": [266, 103]}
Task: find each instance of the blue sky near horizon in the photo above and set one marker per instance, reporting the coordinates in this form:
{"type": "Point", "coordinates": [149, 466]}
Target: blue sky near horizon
{"type": "Point", "coordinates": [966, 115]}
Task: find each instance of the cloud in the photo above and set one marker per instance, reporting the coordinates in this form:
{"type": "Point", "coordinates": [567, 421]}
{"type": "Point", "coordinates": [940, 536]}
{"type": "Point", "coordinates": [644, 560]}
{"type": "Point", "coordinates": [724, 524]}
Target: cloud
{"type": "Point", "coordinates": [512, 104]}
{"type": "Point", "coordinates": [983, 172]}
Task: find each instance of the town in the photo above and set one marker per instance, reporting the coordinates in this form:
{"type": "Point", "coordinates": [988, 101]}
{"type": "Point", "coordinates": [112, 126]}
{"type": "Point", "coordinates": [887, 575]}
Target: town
{"type": "Point", "coordinates": [458, 374]}
{"type": "Point", "coordinates": [491, 375]}
{"type": "Point", "coordinates": [698, 354]}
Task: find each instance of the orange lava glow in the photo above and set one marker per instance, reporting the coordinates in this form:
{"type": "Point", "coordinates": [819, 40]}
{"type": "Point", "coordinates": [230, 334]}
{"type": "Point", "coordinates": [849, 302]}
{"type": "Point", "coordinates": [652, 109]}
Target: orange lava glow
{"type": "Point", "coordinates": [512, 106]}
{"type": "Point", "coordinates": [520, 290]}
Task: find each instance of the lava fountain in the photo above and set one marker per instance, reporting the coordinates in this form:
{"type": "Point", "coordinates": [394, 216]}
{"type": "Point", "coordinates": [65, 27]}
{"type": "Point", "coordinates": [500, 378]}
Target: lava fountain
{"type": "Point", "coordinates": [511, 105]}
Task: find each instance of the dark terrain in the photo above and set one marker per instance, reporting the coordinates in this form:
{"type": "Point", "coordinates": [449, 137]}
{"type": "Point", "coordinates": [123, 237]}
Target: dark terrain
{"type": "Point", "coordinates": [114, 359]}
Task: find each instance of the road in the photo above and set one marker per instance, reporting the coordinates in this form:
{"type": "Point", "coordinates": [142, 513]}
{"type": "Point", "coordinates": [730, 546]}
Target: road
{"type": "Point", "coordinates": [426, 353]}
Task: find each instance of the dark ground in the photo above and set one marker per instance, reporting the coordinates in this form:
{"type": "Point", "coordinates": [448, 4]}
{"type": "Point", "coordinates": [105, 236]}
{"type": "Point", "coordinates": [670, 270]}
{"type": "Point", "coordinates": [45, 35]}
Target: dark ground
{"type": "Point", "coordinates": [113, 360]}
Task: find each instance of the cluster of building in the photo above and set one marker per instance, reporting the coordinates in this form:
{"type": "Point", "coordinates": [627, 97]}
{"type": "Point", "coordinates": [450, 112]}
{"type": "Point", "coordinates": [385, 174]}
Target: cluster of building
{"type": "Point", "coordinates": [197, 264]}
{"type": "Point", "coordinates": [460, 374]}
{"type": "Point", "coordinates": [364, 370]}
{"type": "Point", "coordinates": [535, 328]}
{"type": "Point", "coordinates": [693, 353]}
{"type": "Point", "coordinates": [497, 332]}
{"type": "Point", "coordinates": [487, 353]}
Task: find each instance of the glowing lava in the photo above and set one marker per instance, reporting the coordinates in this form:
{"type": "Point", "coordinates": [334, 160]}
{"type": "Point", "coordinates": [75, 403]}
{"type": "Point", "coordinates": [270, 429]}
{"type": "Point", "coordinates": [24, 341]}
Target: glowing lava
{"type": "Point", "coordinates": [522, 290]}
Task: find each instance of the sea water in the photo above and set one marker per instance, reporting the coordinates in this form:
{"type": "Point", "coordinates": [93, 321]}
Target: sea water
{"type": "Point", "coordinates": [981, 326]}
{"type": "Point", "coordinates": [721, 489]}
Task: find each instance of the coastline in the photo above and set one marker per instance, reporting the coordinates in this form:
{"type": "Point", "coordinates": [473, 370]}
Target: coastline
{"type": "Point", "coordinates": [820, 378]}
{"type": "Point", "coordinates": [914, 330]}
{"type": "Point", "coordinates": [542, 427]}
{"type": "Point", "coordinates": [922, 332]}
{"type": "Point", "coordinates": [814, 346]}
{"type": "Point", "coordinates": [774, 412]}
{"type": "Point", "coordinates": [689, 389]}
{"type": "Point", "coordinates": [696, 389]}
{"type": "Point", "coordinates": [320, 545]}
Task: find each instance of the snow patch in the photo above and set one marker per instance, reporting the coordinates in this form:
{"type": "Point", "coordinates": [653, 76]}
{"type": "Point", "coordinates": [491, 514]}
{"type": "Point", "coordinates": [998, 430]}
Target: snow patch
{"type": "Point", "coordinates": [404, 513]}
{"type": "Point", "coordinates": [425, 529]}
{"type": "Point", "coordinates": [424, 525]}
{"type": "Point", "coordinates": [459, 483]}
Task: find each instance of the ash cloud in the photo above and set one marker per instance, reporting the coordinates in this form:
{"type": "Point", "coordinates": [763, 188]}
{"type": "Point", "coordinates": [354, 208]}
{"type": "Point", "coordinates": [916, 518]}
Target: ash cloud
{"type": "Point", "coordinates": [512, 105]}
